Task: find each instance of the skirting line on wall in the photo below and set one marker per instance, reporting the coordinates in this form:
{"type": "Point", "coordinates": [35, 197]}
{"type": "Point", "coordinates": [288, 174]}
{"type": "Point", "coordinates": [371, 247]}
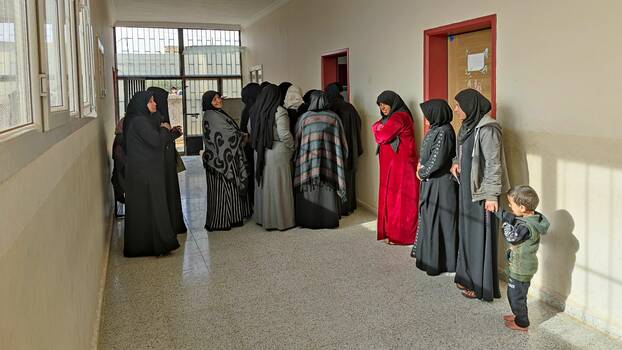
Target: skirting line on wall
{"type": "Point", "coordinates": [102, 282]}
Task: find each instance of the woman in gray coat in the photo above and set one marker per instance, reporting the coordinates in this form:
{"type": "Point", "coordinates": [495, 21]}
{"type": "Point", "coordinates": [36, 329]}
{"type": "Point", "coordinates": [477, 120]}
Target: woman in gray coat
{"type": "Point", "coordinates": [479, 166]}
{"type": "Point", "coordinates": [274, 147]}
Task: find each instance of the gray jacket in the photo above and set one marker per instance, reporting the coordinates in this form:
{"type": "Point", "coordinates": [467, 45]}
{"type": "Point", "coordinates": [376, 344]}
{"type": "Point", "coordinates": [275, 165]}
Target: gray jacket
{"type": "Point", "coordinates": [488, 168]}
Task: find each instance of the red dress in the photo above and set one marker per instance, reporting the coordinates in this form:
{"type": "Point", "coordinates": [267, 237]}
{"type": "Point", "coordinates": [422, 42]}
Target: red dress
{"type": "Point", "coordinates": [398, 197]}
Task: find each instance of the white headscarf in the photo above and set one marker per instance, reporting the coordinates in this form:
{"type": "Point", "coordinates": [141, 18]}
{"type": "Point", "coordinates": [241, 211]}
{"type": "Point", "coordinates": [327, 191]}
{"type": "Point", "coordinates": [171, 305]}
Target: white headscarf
{"type": "Point", "coordinates": [293, 98]}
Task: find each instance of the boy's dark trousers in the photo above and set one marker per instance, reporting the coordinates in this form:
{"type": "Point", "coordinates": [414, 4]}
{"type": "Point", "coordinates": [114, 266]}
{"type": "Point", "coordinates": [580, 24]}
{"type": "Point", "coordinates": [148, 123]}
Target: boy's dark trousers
{"type": "Point", "coordinates": [517, 296]}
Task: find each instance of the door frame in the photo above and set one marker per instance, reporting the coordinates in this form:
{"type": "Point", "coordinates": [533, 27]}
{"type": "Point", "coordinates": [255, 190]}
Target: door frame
{"type": "Point", "coordinates": [435, 57]}
{"type": "Point", "coordinates": [328, 58]}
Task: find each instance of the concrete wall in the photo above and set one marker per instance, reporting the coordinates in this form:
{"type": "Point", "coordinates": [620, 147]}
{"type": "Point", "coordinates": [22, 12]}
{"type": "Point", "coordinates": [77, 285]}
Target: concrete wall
{"type": "Point", "coordinates": [55, 216]}
{"type": "Point", "coordinates": [557, 83]}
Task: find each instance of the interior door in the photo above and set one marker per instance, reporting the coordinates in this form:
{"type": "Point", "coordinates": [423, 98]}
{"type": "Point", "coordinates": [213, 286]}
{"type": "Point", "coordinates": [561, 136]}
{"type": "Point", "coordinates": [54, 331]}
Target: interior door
{"type": "Point", "coordinates": [468, 65]}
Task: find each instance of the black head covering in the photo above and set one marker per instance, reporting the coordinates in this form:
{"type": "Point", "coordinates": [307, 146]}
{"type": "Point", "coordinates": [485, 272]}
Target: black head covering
{"type": "Point", "coordinates": [333, 91]}
{"type": "Point", "coordinates": [249, 95]}
{"type": "Point", "coordinates": [135, 108]}
{"type": "Point", "coordinates": [307, 96]}
{"type": "Point", "coordinates": [283, 87]}
{"type": "Point", "coordinates": [206, 101]}
{"type": "Point", "coordinates": [475, 106]}
{"type": "Point", "coordinates": [395, 101]}
{"type": "Point", "coordinates": [437, 112]}
{"type": "Point", "coordinates": [264, 84]}
{"type": "Point", "coordinates": [318, 101]}
{"type": "Point", "coordinates": [397, 105]}
{"type": "Point", "coordinates": [262, 124]}
{"type": "Point", "coordinates": [161, 98]}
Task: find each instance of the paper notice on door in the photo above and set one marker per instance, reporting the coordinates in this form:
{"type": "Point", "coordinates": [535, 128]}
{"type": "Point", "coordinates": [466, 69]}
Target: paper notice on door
{"type": "Point", "coordinates": [475, 62]}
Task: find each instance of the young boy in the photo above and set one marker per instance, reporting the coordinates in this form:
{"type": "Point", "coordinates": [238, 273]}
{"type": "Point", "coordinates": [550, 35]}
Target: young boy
{"type": "Point", "coordinates": [522, 229]}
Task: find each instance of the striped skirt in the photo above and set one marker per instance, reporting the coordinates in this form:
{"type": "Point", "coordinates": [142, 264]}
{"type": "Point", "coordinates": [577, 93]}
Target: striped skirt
{"type": "Point", "coordinates": [226, 208]}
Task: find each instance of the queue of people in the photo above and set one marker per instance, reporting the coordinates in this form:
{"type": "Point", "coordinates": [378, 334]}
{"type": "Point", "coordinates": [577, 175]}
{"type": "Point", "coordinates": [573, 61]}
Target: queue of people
{"type": "Point", "coordinates": [292, 161]}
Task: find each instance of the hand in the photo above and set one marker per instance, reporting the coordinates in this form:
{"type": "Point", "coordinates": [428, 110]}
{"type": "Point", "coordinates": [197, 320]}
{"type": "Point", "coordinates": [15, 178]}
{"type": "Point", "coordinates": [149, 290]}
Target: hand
{"type": "Point", "coordinates": [167, 126]}
{"type": "Point", "coordinates": [418, 177]}
{"type": "Point", "coordinates": [418, 166]}
{"type": "Point", "coordinates": [455, 170]}
{"type": "Point", "coordinates": [492, 206]}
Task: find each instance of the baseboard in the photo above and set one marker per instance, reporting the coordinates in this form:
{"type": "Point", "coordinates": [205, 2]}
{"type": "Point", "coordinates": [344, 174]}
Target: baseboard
{"type": "Point", "coordinates": [559, 302]}
{"type": "Point", "coordinates": [102, 282]}
{"type": "Point", "coordinates": [366, 206]}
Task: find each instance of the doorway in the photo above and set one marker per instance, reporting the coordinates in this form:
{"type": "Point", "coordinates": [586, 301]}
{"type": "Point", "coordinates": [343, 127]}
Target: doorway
{"type": "Point", "coordinates": [460, 56]}
{"type": "Point", "coordinates": [335, 70]}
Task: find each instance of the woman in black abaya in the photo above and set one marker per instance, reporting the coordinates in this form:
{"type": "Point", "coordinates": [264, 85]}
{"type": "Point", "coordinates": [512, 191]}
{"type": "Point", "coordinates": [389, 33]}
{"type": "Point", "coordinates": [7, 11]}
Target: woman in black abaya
{"type": "Point", "coordinates": [170, 162]}
{"type": "Point", "coordinates": [437, 232]}
{"type": "Point", "coordinates": [148, 228]}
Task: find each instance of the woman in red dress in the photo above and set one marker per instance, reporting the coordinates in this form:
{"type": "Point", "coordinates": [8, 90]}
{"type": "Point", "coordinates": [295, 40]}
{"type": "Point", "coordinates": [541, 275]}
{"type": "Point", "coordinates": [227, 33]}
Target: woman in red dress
{"type": "Point", "coordinates": [398, 195]}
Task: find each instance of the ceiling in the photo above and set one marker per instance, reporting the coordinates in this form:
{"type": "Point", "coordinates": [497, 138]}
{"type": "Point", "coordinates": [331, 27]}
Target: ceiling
{"type": "Point", "coordinates": [236, 12]}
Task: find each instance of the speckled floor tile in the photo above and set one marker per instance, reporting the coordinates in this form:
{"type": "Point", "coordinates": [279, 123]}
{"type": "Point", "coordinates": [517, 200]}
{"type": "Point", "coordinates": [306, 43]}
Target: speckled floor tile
{"type": "Point", "coordinates": [304, 289]}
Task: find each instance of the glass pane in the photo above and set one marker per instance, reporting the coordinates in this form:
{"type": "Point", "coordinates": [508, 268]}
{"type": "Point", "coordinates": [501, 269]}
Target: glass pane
{"type": "Point", "coordinates": [194, 94]}
{"type": "Point", "coordinates": [212, 52]}
{"type": "Point", "coordinates": [70, 52]}
{"type": "Point", "coordinates": [232, 88]}
{"type": "Point", "coordinates": [82, 38]}
{"type": "Point", "coordinates": [14, 66]}
{"type": "Point", "coordinates": [147, 51]}
{"type": "Point", "coordinates": [53, 49]}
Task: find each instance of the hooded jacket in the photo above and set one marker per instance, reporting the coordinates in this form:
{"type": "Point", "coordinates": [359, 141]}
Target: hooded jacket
{"type": "Point", "coordinates": [488, 170]}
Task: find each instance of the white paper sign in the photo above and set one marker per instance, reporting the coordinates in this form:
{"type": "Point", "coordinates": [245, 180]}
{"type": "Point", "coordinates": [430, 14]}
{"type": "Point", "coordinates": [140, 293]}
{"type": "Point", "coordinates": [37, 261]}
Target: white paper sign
{"type": "Point", "coordinates": [475, 62]}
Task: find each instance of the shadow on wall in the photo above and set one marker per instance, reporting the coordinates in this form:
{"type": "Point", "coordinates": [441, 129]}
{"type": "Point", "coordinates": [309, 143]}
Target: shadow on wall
{"type": "Point", "coordinates": [559, 247]}
{"type": "Point", "coordinates": [579, 182]}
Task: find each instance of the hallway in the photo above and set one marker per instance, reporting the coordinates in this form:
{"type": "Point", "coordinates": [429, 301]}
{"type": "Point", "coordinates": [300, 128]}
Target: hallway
{"type": "Point", "coordinates": [334, 289]}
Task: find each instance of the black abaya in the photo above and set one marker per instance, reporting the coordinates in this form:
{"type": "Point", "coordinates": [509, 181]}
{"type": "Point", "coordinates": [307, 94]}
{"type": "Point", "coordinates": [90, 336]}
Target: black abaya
{"type": "Point", "coordinates": [437, 233]}
{"type": "Point", "coordinates": [148, 229]}
{"type": "Point", "coordinates": [173, 196]}
{"type": "Point", "coordinates": [476, 267]}
{"type": "Point", "coordinates": [351, 122]}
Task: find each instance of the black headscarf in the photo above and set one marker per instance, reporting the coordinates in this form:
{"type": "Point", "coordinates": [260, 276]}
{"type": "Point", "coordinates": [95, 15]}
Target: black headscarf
{"type": "Point", "coordinates": [135, 108]}
{"type": "Point", "coordinates": [249, 96]}
{"type": "Point", "coordinates": [161, 98]}
{"type": "Point", "coordinates": [307, 99]}
{"type": "Point", "coordinates": [207, 99]}
{"type": "Point", "coordinates": [264, 84]}
{"type": "Point", "coordinates": [318, 101]}
{"type": "Point", "coordinates": [262, 123]}
{"type": "Point", "coordinates": [283, 87]}
{"type": "Point", "coordinates": [333, 91]}
{"type": "Point", "coordinates": [476, 106]}
{"type": "Point", "coordinates": [394, 100]}
{"type": "Point", "coordinates": [437, 112]}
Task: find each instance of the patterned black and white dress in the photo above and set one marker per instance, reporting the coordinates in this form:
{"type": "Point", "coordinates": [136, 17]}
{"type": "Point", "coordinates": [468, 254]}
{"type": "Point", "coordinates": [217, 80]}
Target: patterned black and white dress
{"type": "Point", "coordinates": [226, 173]}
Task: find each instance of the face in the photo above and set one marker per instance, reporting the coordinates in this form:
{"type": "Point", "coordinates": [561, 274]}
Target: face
{"type": "Point", "coordinates": [151, 105]}
{"type": "Point", "coordinates": [459, 111]}
{"type": "Point", "coordinates": [518, 210]}
{"type": "Point", "coordinates": [217, 101]}
{"type": "Point", "coordinates": [384, 108]}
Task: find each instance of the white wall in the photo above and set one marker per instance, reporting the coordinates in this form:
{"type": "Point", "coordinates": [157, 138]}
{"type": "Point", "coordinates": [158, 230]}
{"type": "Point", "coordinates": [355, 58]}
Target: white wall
{"type": "Point", "coordinates": [557, 86]}
{"type": "Point", "coordinates": [55, 216]}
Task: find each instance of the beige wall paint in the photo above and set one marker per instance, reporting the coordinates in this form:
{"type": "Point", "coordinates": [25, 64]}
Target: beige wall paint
{"type": "Point", "coordinates": [557, 86]}
{"type": "Point", "coordinates": [55, 213]}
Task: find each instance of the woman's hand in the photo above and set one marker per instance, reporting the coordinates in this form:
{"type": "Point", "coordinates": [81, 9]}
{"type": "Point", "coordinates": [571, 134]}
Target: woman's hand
{"type": "Point", "coordinates": [455, 170]}
{"type": "Point", "coordinates": [418, 168]}
{"type": "Point", "coordinates": [492, 206]}
{"type": "Point", "coordinates": [167, 126]}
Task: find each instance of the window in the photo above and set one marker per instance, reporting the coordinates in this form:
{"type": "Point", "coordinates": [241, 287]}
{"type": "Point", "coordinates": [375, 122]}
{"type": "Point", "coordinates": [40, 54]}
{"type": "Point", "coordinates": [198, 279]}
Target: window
{"type": "Point", "coordinates": [54, 49]}
{"type": "Point", "coordinates": [15, 94]}
{"type": "Point", "coordinates": [70, 53]}
{"type": "Point", "coordinates": [87, 87]}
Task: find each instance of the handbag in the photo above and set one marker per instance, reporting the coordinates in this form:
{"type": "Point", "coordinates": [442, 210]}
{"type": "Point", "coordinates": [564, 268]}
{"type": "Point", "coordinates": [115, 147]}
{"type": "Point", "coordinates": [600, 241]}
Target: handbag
{"type": "Point", "coordinates": [180, 163]}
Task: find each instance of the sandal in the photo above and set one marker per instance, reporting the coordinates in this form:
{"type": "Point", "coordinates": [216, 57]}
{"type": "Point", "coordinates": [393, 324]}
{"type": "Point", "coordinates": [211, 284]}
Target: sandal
{"type": "Point", "coordinates": [509, 317]}
{"type": "Point", "coordinates": [470, 294]}
{"type": "Point", "coordinates": [461, 287]}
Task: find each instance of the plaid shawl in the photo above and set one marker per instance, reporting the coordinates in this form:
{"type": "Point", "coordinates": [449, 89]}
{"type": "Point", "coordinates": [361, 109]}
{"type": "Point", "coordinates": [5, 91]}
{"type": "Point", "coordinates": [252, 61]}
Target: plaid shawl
{"type": "Point", "coordinates": [321, 154]}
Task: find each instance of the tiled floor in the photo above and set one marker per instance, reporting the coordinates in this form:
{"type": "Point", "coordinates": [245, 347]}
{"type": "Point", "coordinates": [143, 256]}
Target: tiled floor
{"type": "Point", "coordinates": [302, 289]}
